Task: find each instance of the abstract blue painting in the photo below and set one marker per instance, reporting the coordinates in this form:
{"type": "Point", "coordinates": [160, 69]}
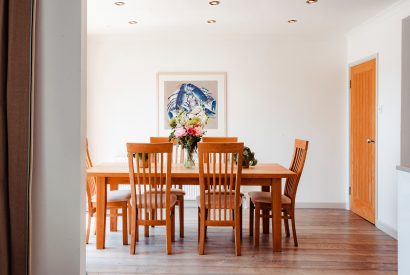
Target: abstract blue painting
{"type": "Point", "coordinates": [188, 97]}
{"type": "Point", "coordinates": [193, 92]}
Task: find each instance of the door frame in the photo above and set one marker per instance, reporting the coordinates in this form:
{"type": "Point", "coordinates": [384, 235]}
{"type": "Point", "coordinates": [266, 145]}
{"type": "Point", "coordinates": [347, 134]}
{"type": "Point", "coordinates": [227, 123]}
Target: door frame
{"type": "Point", "coordinates": [376, 164]}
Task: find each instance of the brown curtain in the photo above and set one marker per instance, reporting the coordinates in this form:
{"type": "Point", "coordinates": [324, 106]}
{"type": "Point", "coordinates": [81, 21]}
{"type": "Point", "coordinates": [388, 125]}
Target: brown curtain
{"type": "Point", "coordinates": [16, 24]}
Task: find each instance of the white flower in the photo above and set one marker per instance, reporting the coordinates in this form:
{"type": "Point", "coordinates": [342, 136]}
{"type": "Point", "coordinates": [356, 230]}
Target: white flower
{"type": "Point", "coordinates": [196, 110]}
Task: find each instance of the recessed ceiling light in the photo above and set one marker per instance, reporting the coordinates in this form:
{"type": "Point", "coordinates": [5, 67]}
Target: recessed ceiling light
{"type": "Point", "coordinates": [311, 1]}
{"type": "Point", "coordinates": [291, 21]}
{"type": "Point", "coordinates": [211, 21]}
{"type": "Point", "coordinates": [214, 3]}
{"type": "Point", "coordinates": [132, 22]}
{"type": "Point", "coordinates": [119, 3]}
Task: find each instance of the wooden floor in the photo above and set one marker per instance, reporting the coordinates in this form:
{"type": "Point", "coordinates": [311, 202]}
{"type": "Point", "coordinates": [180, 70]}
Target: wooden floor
{"type": "Point", "coordinates": [330, 242]}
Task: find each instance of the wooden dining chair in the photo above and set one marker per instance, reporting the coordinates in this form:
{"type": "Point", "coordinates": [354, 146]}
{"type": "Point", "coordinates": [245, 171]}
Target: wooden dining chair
{"type": "Point", "coordinates": [260, 201]}
{"type": "Point", "coordinates": [151, 200]}
{"type": "Point", "coordinates": [177, 190]}
{"type": "Point", "coordinates": [118, 199]}
{"type": "Point", "coordinates": [223, 139]}
{"type": "Point", "coordinates": [219, 173]}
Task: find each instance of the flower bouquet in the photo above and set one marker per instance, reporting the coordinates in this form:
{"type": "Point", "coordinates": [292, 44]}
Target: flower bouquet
{"type": "Point", "coordinates": [187, 130]}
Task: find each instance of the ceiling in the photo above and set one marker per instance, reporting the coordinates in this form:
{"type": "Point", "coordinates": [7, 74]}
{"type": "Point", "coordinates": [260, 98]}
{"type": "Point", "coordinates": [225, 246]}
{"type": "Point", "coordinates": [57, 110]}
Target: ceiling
{"type": "Point", "coordinates": [258, 17]}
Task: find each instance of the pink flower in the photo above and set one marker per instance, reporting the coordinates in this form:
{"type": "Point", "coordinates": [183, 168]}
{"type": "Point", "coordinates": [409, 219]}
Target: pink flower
{"type": "Point", "coordinates": [180, 132]}
{"type": "Point", "coordinates": [199, 131]}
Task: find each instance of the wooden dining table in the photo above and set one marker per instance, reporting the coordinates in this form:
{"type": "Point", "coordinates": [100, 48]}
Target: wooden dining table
{"type": "Point", "coordinates": [266, 175]}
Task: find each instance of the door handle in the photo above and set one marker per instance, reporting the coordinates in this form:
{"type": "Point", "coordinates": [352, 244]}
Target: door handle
{"type": "Point", "coordinates": [370, 141]}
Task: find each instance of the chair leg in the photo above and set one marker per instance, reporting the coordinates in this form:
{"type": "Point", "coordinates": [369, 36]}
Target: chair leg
{"type": "Point", "coordinates": [168, 214]}
{"type": "Point", "coordinates": [202, 232]}
{"type": "Point", "coordinates": [181, 216]}
{"type": "Point", "coordinates": [137, 233]}
{"type": "Point", "coordinates": [152, 216]}
{"type": "Point", "coordinates": [129, 217]}
{"type": "Point", "coordinates": [173, 224]}
{"type": "Point", "coordinates": [251, 213]}
{"type": "Point", "coordinates": [206, 227]}
{"type": "Point", "coordinates": [234, 225]}
{"type": "Point", "coordinates": [233, 215]}
{"type": "Point", "coordinates": [87, 234]}
{"type": "Point", "coordinates": [146, 228]}
{"type": "Point", "coordinates": [295, 239]}
{"type": "Point", "coordinates": [124, 225]}
{"type": "Point", "coordinates": [199, 223]}
{"type": "Point", "coordinates": [240, 220]}
{"type": "Point", "coordinates": [134, 230]}
{"type": "Point", "coordinates": [238, 233]}
{"type": "Point", "coordinates": [113, 219]}
{"type": "Point", "coordinates": [257, 224]}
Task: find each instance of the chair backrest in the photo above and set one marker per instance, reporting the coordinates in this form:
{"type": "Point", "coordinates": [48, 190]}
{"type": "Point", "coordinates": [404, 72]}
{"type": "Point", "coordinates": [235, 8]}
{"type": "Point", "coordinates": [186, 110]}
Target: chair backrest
{"type": "Point", "coordinates": [221, 173]}
{"type": "Point", "coordinates": [219, 139]}
{"type": "Point", "coordinates": [297, 164]}
{"type": "Point", "coordinates": [150, 178]}
{"type": "Point", "coordinates": [91, 188]}
{"type": "Point", "coordinates": [178, 150]}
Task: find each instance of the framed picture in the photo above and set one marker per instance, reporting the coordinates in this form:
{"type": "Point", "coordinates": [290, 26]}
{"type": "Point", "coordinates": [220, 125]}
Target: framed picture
{"type": "Point", "coordinates": [176, 91]}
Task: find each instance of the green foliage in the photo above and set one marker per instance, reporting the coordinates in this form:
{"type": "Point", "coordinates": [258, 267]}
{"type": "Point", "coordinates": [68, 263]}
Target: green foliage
{"type": "Point", "coordinates": [140, 155]}
{"type": "Point", "coordinates": [194, 121]}
{"type": "Point", "coordinates": [172, 123]}
{"type": "Point", "coordinates": [248, 157]}
{"type": "Point", "coordinates": [189, 142]}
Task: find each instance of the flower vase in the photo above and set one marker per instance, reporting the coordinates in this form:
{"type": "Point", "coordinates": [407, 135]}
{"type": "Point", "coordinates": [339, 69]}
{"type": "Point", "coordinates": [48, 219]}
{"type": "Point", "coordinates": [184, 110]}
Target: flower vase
{"type": "Point", "coordinates": [190, 157]}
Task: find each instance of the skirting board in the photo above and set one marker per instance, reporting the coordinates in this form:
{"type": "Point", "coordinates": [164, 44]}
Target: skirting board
{"type": "Point", "coordinates": [329, 205]}
{"type": "Point", "coordinates": [387, 229]}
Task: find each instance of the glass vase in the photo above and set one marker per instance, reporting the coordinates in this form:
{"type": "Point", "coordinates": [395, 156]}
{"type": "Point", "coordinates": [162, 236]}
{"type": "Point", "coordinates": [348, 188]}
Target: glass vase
{"type": "Point", "coordinates": [189, 158]}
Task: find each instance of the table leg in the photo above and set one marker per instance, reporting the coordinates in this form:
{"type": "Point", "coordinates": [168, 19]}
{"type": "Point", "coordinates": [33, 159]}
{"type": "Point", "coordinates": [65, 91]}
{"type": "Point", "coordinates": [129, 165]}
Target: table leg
{"type": "Point", "coordinates": [277, 215]}
{"type": "Point", "coordinates": [113, 212]}
{"type": "Point", "coordinates": [265, 213]}
{"type": "Point", "coordinates": [101, 212]}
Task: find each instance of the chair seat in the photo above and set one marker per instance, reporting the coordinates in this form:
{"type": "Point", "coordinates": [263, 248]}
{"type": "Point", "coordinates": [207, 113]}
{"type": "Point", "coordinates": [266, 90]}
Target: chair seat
{"type": "Point", "coordinates": [265, 197]}
{"type": "Point", "coordinates": [115, 196]}
{"type": "Point", "coordinates": [172, 197]}
{"type": "Point", "coordinates": [215, 204]}
{"type": "Point", "coordinates": [177, 192]}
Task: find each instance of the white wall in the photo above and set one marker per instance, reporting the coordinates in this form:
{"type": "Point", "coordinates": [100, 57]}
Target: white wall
{"type": "Point", "coordinates": [405, 94]}
{"type": "Point", "coordinates": [278, 90]}
{"type": "Point", "coordinates": [382, 35]}
{"type": "Point", "coordinates": [58, 199]}
{"type": "Point", "coordinates": [403, 205]}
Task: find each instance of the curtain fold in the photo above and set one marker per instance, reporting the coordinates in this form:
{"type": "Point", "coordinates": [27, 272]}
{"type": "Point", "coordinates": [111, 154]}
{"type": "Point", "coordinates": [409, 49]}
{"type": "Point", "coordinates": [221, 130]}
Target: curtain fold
{"type": "Point", "coordinates": [16, 25]}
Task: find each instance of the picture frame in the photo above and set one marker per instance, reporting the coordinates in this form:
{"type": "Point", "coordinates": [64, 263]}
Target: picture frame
{"type": "Point", "coordinates": [176, 90]}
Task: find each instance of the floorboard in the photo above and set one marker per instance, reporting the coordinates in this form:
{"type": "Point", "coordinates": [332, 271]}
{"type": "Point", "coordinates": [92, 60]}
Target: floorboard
{"type": "Point", "coordinates": [330, 242]}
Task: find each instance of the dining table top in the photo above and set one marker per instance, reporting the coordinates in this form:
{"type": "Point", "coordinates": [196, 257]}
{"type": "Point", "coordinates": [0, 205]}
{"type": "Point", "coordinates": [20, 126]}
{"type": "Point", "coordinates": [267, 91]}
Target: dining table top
{"type": "Point", "coordinates": [262, 170]}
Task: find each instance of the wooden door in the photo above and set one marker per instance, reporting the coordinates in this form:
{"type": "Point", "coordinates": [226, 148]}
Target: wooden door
{"type": "Point", "coordinates": [362, 139]}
